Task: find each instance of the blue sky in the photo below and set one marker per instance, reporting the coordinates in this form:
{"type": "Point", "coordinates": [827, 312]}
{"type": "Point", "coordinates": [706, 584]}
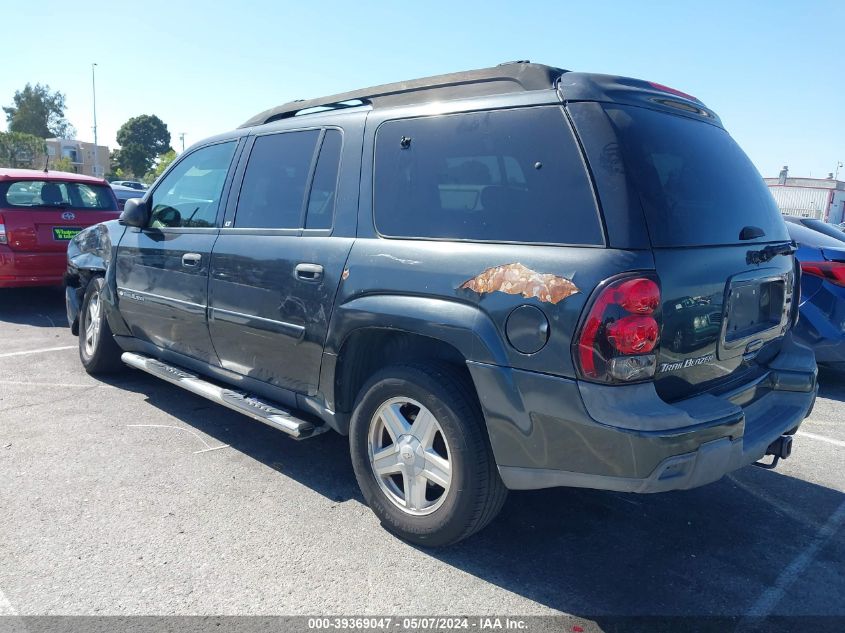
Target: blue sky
{"type": "Point", "coordinates": [772, 70]}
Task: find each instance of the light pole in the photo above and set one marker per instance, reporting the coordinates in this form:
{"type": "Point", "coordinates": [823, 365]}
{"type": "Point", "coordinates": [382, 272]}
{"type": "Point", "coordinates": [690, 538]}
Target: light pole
{"type": "Point", "coordinates": [838, 165]}
{"type": "Point", "coordinates": [182, 138]}
{"type": "Point", "coordinates": [94, 90]}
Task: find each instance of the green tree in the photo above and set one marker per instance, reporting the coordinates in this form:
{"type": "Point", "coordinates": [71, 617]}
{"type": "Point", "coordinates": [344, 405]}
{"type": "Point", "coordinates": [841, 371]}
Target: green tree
{"type": "Point", "coordinates": [142, 139]}
{"type": "Point", "coordinates": [39, 112]}
{"type": "Point", "coordinates": [162, 163]}
{"type": "Point", "coordinates": [63, 163]}
{"type": "Point", "coordinates": [21, 150]}
{"type": "Point", "coordinates": [115, 172]}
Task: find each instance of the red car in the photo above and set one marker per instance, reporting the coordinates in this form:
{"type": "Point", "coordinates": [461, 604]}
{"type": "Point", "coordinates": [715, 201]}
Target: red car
{"type": "Point", "coordinates": [40, 211]}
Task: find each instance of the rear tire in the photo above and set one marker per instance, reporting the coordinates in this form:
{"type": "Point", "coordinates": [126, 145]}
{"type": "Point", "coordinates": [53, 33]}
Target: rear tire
{"type": "Point", "coordinates": [437, 482]}
{"type": "Point", "coordinates": [97, 348]}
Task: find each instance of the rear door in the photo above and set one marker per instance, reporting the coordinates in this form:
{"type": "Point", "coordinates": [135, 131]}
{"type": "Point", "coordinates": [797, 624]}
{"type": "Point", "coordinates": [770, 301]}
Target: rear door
{"type": "Point", "coordinates": [278, 261]}
{"type": "Point", "coordinates": [41, 216]}
{"type": "Point", "coordinates": [715, 231]}
{"type": "Point", "coordinates": [162, 270]}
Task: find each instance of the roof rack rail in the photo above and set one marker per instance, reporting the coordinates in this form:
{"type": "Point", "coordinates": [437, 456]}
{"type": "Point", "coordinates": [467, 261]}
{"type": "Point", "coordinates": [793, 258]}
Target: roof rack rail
{"type": "Point", "coordinates": [508, 77]}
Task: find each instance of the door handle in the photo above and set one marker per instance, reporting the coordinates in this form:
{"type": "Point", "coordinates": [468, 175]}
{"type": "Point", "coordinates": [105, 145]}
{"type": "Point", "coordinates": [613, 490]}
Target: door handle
{"type": "Point", "coordinates": [191, 260]}
{"type": "Point", "coordinates": [308, 272]}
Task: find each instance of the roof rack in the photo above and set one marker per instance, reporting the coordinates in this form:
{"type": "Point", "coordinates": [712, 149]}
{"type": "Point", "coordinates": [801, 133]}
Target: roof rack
{"type": "Point", "coordinates": [508, 77]}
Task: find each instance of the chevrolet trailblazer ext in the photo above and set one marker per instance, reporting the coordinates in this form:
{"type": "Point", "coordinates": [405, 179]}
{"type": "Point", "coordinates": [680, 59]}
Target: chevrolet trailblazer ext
{"type": "Point", "coordinates": [510, 278]}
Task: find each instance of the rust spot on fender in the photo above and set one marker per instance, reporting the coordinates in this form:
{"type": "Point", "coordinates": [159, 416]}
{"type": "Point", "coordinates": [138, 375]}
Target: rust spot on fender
{"type": "Point", "coordinates": [516, 279]}
{"type": "Point", "coordinates": [345, 274]}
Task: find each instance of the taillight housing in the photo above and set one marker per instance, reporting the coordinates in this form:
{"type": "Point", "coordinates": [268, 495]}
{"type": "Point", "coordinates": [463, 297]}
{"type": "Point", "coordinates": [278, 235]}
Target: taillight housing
{"type": "Point", "coordinates": [3, 238]}
{"type": "Point", "coordinates": [834, 272]}
{"type": "Point", "coordinates": [617, 341]}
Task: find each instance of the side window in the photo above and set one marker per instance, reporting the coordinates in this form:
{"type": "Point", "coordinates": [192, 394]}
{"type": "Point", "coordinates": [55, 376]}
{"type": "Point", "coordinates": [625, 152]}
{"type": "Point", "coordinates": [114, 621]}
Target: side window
{"type": "Point", "coordinates": [275, 179]}
{"type": "Point", "coordinates": [507, 175]}
{"type": "Point", "coordinates": [321, 201]}
{"type": "Point", "coordinates": [190, 194]}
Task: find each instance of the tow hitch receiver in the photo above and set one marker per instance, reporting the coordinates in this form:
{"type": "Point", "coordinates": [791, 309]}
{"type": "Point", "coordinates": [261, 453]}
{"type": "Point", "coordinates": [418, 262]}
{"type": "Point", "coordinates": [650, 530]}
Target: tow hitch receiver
{"type": "Point", "coordinates": [781, 448]}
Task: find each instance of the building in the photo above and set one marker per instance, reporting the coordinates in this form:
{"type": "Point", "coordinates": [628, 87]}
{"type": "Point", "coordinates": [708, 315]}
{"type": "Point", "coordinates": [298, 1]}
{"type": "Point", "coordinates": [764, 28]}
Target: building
{"type": "Point", "coordinates": [820, 198]}
{"type": "Point", "coordinates": [87, 158]}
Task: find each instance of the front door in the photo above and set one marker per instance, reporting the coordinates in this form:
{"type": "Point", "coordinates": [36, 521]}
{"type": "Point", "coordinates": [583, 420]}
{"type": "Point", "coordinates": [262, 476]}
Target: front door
{"type": "Point", "coordinates": [275, 272]}
{"type": "Point", "coordinates": [162, 270]}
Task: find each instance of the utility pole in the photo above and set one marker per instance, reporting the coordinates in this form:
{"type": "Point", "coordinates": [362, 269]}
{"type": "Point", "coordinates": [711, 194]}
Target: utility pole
{"type": "Point", "coordinates": [182, 138]}
{"type": "Point", "coordinates": [96, 167]}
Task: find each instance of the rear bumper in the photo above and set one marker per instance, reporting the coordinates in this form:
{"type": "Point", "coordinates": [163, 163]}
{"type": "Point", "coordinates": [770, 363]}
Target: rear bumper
{"type": "Point", "coordinates": [548, 431]}
{"type": "Point", "coordinates": [19, 268]}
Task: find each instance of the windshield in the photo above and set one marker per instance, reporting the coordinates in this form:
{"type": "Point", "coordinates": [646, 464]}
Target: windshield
{"type": "Point", "coordinates": [51, 193]}
{"type": "Point", "coordinates": [695, 185]}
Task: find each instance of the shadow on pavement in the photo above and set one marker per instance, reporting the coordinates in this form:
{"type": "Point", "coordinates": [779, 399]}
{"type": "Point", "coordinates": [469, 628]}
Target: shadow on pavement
{"type": "Point", "coordinates": [708, 551]}
{"type": "Point", "coordinates": [39, 307]}
{"type": "Point", "coordinates": [322, 463]}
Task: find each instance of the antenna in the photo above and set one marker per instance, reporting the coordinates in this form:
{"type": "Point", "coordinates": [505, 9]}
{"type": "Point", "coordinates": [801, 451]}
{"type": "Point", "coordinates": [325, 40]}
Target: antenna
{"type": "Point", "coordinates": [46, 163]}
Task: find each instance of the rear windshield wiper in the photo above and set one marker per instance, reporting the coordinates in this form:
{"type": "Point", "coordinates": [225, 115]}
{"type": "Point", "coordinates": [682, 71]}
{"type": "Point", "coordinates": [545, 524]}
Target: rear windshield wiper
{"type": "Point", "coordinates": [770, 252]}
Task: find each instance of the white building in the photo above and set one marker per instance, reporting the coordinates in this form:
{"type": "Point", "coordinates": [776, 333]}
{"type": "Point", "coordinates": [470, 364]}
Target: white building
{"type": "Point", "coordinates": [820, 198]}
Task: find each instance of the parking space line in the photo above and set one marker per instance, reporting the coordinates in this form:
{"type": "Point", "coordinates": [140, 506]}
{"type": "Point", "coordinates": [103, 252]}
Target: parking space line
{"type": "Point", "coordinates": [38, 351]}
{"type": "Point", "coordinates": [208, 447]}
{"type": "Point", "coordinates": [822, 438]}
{"type": "Point", "coordinates": [773, 595]}
{"type": "Point", "coordinates": [6, 607]}
{"type": "Point", "coordinates": [784, 508]}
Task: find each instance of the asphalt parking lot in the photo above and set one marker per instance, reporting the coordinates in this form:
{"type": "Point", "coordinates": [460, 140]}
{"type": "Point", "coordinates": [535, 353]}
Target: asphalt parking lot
{"type": "Point", "coordinates": [132, 496]}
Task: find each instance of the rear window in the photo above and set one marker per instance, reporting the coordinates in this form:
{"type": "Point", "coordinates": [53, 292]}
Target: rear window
{"type": "Point", "coordinates": [51, 193]}
{"type": "Point", "coordinates": [695, 184]}
{"type": "Point", "coordinates": [824, 227]}
{"type": "Point", "coordinates": [507, 175]}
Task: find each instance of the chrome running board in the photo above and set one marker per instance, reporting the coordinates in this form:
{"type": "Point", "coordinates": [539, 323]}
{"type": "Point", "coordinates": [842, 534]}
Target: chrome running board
{"type": "Point", "coordinates": [247, 404]}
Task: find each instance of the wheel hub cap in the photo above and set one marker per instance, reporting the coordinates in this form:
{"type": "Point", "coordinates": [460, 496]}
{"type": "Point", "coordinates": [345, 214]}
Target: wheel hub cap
{"type": "Point", "coordinates": [409, 456]}
{"type": "Point", "coordinates": [412, 454]}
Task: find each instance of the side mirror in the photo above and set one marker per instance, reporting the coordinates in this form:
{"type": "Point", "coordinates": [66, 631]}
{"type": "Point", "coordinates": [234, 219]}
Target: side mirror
{"type": "Point", "coordinates": [135, 213]}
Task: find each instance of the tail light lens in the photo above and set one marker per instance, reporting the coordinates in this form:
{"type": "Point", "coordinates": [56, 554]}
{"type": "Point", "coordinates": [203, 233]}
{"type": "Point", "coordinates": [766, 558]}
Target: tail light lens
{"type": "Point", "coordinates": [3, 238]}
{"type": "Point", "coordinates": [618, 339]}
{"type": "Point", "coordinates": [834, 272]}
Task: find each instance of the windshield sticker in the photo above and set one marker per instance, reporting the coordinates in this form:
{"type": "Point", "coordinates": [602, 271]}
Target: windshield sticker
{"type": "Point", "coordinates": [516, 279]}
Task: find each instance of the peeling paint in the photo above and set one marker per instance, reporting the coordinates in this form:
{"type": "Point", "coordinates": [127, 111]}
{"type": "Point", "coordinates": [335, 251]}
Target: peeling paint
{"type": "Point", "coordinates": [345, 275]}
{"type": "Point", "coordinates": [516, 279]}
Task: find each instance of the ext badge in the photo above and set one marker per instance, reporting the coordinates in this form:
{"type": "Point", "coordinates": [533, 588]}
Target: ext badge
{"type": "Point", "coordinates": [689, 362]}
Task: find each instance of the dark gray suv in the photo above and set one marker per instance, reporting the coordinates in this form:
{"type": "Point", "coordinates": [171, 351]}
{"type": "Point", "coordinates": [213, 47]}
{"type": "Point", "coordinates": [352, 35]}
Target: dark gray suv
{"type": "Point", "coordinates": [510, 278]}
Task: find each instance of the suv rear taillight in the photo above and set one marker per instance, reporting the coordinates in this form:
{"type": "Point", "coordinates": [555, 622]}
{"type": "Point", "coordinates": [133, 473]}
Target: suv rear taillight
{"type": "Point", "coordinates": [618, 338]}
{"type": "Point", "coordinates": [834, 272]}
{"type": "Point", "coordinates": [3, 238]}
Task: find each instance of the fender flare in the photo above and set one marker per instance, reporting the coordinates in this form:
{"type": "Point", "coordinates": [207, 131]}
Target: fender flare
{"type": "Point", "coordinates": [463, 326]}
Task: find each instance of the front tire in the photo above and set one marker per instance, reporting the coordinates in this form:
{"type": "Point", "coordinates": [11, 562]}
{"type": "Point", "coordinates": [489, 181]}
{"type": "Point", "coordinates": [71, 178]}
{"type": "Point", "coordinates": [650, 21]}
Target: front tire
{"type": "Point", "coordinates": [421, 454]}
{"type": "Point", "coordinates": [97, 349]}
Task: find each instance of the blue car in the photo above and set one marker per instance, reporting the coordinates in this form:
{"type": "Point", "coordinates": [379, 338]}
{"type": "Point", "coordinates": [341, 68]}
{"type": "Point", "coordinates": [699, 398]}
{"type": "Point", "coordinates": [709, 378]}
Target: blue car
{"type": "Point", "coordinates": [821, 323]}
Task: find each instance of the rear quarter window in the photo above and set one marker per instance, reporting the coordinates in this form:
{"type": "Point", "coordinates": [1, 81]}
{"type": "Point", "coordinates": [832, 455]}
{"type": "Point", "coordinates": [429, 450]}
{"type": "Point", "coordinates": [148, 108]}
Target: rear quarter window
{"type": "Point", "coordinates": [502, 176]}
